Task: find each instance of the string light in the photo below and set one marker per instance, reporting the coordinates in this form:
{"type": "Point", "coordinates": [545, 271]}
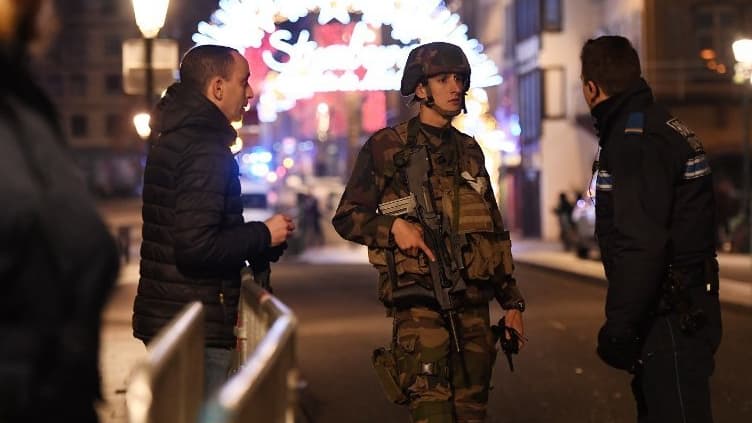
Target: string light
{"type": "Point", "coordinates": [312, 68]}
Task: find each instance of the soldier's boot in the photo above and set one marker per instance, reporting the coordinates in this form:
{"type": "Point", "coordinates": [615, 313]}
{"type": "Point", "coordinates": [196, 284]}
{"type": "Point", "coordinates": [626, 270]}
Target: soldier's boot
{"type": "Point", "coordinates": [432, 412]}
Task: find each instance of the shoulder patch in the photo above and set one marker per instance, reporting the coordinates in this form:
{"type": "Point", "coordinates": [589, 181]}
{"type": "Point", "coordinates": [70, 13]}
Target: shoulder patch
{"type": "Point", "coordinates": [679, 127]}
{"type": "Point", "coordinates": [686, 133]}
{"type": "Point", "coordinates": [635, 124]}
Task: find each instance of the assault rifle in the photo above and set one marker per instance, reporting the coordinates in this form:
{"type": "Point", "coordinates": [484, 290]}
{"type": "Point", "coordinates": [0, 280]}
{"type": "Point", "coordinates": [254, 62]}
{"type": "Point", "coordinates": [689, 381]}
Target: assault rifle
{"type": "Point", "coordinates": [418, 207]}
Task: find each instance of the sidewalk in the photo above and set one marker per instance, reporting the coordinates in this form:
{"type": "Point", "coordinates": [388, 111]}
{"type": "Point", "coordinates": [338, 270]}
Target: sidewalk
{"type": "Point", "coordinates": [735, 269]}
{"type": "Point", "coordinates": [119, 350]}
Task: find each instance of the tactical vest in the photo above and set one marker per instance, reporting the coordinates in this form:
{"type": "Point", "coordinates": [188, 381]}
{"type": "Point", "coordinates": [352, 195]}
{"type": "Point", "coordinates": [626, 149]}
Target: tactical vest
{"type": "Point", "coordinates": [465, 200]}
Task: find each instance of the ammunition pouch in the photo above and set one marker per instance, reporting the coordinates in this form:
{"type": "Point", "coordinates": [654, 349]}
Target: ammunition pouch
{"type": "Point", "coordinates": [488, 252]}
{"type": "Point", "coordinates": [400, 367]}
{"type": "Point", "coordinates": [388, 375]}
{"type": "Point", "coordinates": [403, 280]}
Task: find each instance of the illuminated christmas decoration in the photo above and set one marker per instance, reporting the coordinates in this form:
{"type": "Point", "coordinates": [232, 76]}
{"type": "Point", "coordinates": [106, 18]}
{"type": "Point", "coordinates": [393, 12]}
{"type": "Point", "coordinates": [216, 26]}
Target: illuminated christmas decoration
{"type": "Point", "coordinates": [479, 123]}
{"type": "Point", "coordinates": [359, 65]}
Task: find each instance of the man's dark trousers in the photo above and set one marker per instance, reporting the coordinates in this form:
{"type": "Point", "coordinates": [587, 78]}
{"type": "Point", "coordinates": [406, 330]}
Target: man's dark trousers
{"type": "Point", "coordinates": [673, 384]}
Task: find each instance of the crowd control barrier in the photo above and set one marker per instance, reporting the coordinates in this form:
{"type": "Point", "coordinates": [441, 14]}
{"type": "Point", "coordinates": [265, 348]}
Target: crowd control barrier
{"type": "Point", "coordinates": [262, 389]}
{"type": "Point", "coordinates": [168, 385]}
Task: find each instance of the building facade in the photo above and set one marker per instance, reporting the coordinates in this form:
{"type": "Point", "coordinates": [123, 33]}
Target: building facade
{"type": "Point", "coordinates": [685, 48]}
{"type": "Point", "coordinates": [82, 72]}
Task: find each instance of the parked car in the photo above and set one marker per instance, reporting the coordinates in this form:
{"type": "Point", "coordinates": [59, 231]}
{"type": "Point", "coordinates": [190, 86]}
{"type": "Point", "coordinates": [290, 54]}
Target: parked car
{"type": "Point", "coordinates": [583, 219]}
{"type": "Point", "coordinates": [254, 196]}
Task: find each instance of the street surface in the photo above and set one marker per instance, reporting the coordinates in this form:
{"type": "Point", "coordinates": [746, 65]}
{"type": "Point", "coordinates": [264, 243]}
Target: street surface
{"type": "Point", "coordinates": [557, 378]}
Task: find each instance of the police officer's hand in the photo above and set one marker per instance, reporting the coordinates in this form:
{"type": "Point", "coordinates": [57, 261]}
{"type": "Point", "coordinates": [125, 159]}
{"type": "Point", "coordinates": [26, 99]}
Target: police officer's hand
{"type": "Point", "coordinates": [513, 319]}
{"type": "Point", "coordinates": [409, 238]}
{"type": "Point", "coordinates": [280, 227]}
{"type": "Point", "coordinates": [619, 348]}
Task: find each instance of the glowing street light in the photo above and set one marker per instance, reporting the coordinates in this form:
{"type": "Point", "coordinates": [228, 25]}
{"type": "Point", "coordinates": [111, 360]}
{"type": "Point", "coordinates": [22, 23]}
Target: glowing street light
{"type": "Point", "coordinates": [150, 16]}
{"type": "Point", "coordinates": [743, 55]}
{"type": "Point", "coordinates": [141, 122]}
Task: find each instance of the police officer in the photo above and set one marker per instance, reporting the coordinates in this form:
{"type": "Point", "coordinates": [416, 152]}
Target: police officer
{"type": "Point", "coordinates": [439, 381]}
{"type": "Point", "coordinates": [655, 220]}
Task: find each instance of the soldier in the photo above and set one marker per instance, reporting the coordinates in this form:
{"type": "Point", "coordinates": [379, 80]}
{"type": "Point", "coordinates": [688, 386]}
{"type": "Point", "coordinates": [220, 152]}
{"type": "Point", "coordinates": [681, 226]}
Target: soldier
{"type": "Point", "coordinates": [435, 280]}
{"type": "Point", "coordinates": [655, 227]}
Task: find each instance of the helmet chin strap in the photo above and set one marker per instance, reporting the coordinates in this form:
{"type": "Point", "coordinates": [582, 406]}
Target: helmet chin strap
{"type": "Point", "coordinates": [429, 102]}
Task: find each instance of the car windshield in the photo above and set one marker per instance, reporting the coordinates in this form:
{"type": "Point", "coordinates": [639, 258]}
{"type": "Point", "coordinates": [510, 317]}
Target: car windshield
{"type": "Point", "coordinates": [253, 201]}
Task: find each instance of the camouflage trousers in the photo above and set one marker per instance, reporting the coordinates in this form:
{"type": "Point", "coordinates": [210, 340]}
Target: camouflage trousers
{"type": "Point", "coordinates": [443, 386]}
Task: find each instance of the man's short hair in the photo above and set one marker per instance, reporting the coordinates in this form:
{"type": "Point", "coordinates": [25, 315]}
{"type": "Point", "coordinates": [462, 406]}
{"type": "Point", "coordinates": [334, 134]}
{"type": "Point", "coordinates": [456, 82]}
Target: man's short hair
{"type": "Point", "coordinates": [202, 63]}
{"type": "Point", "coordinates": [611, 62]}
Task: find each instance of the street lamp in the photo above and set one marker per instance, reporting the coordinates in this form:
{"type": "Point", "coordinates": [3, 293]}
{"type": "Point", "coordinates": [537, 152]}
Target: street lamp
{"type": "Point", "coordinates": [150, 17]}
{"type": "Point", "coordinates": [743, 75]}
{"type": "Point", "coordinates": [141, 122]}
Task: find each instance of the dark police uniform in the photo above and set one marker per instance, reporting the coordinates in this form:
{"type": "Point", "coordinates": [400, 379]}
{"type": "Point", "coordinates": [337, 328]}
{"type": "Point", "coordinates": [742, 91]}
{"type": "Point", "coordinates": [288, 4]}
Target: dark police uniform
{"type": "Point", "coordinates": [655, 226]}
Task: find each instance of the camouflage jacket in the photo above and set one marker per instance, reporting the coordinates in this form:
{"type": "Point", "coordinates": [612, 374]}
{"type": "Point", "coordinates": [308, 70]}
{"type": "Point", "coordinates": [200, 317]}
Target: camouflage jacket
{"type": "Point", "coordinates": [375, 179]}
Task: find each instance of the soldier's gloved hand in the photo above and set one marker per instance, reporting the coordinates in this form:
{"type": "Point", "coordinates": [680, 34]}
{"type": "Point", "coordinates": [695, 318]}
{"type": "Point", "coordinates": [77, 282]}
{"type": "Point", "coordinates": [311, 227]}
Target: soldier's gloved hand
{"type": "Point", "coordinates": [619, 349]}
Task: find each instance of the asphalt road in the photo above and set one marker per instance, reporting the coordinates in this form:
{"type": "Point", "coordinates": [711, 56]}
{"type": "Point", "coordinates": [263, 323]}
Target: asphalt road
{"type": "Point", "coordinates": [558, 378]}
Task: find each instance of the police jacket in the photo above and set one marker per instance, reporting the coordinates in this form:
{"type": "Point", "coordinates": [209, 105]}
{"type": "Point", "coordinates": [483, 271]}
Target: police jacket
{"type": "Point", "coordinates": [194, 238]}
{"type": "Point", "coordinates": [58, 263]}
{"type": "Point", "coordinates": [654, 202]}
{"type": "Point", "coordinates": [376, 179]}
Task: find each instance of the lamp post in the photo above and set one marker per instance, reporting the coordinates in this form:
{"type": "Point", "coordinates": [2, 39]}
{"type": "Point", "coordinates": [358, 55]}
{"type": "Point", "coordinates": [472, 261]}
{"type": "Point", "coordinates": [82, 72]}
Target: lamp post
{"type": "Point", "coordinates": [150, 17]}
{"type": "Point", "coordinates": [743, 75]}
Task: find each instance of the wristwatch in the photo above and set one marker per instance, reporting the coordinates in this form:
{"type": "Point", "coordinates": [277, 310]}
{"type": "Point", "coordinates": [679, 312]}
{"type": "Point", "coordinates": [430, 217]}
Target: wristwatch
{"type": "Point", "coordinates": [517, 305]}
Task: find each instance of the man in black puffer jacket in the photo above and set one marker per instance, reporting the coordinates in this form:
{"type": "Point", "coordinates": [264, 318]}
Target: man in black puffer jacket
{"type": "Point", "coordinates": [655, 226]}
{"type": "Point", "coordinates": [194, 239]}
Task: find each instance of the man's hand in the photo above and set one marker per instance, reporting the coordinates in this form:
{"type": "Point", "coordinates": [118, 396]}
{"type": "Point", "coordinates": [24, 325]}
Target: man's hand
{"type": "Point", "coordinates": [513, 319]}
{"type": "Point", "coordinates": [620, 349]}
{"type": "Point", "coordinates": [280, 228]}
{"type": "Point", "coordinates": [409, 238]}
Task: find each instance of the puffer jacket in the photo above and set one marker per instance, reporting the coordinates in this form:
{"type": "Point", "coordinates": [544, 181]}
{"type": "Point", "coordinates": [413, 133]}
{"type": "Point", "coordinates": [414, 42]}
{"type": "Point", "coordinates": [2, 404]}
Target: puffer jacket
{"type": "Point", "coordinates": [58, 264]}
{"type": "Point", "coordinates": [194, 239]}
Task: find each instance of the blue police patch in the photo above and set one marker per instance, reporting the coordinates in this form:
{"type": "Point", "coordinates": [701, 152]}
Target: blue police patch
{"type": "Point", "coordinates": [605, 181]}
{"type": "Point", "coordinates": [696, 167]}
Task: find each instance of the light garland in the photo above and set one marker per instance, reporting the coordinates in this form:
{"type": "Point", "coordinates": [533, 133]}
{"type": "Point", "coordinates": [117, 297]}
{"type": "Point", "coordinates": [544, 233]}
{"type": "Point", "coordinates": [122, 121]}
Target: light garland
{"type": "Point", "coordinates": [243, 24]}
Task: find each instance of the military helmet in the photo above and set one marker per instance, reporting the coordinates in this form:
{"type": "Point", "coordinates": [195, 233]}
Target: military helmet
{"type": "Point", "coordinates": [432, 59]}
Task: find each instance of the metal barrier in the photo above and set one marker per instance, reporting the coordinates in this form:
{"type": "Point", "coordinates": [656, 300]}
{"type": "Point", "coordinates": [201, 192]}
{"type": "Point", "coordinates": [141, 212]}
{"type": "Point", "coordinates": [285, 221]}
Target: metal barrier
{"type": "Point", "coordinates": [263, 387]}
{"type": "Point", "coordinates": [168, 385]}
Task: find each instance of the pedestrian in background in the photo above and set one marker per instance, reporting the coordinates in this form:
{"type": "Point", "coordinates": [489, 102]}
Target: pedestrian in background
{"type": "Point", "coordinates": [423, 368]}
{"type": "Point", "coordinates": [656, 230]}
{"type": "Point", "coordinates": [58, 261]}
{"type": "Point", "coordinates": [194, 239]}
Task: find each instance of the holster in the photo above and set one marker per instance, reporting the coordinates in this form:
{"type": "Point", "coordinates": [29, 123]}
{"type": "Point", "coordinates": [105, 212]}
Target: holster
{"type": "Point", "coordinates": [677, 299]}
{"type": "Point", "coordinates": [386, 371]}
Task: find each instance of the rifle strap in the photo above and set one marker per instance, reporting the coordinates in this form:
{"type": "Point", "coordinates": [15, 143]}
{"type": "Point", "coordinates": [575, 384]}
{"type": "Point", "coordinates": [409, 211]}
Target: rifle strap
{"type": "Point", "coordinates": [456, 188]}
{"type": "Point", "coordinates": [391, 268]}
{"type": "Point", "coordinates": [412, 132]}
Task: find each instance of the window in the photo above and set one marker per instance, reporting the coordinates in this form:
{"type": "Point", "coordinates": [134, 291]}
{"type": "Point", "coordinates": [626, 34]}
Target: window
{"type": "Point", "coordinates": [552, 15]}
{"type": "Point", "coordinates": [715, 28]}
{"type": "Point", "coordinates": [108, 7]}
{"type": "Point", "coordinates": [55, 85]}
{"type": "Point", "coordinates": [79, 126]}
{"type": "Point", "coordinates": [530, 106]}
{"type": "Point", "coordinates": [113, 84]}
{"type": "Point", "coordinates": [112, 46]}
{"type": "Point", "coordinates": [113, 124]}
{"type": "Point", "coordinates": [528, 18]}
{"type": "Point", "coordinates": [75, 46]}
{"type": "Point", "coordinates": [509, 32]}
{"type": "Point", "coordinates": [78, 84]}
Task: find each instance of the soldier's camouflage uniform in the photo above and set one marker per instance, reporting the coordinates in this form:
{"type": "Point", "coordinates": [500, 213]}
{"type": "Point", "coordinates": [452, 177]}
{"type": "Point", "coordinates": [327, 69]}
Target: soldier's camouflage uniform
{"type": "Point", "coordinates": [437, 383]}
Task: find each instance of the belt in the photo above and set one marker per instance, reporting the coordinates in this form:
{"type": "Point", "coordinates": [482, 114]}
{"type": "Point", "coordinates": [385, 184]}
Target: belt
{"type": "Point", "coordinates": [697, 274]}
